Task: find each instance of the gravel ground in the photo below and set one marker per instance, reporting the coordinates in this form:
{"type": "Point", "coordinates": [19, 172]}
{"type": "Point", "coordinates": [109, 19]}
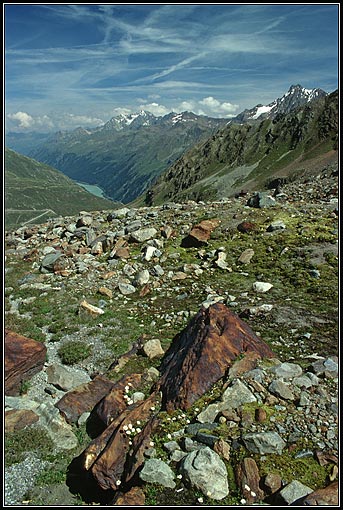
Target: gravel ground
{"type": "Point", "coordinates": [19, 478]}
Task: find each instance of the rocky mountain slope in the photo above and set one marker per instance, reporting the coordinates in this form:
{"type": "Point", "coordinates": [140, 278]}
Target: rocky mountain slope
{"type": "Point", "coordinates": [34, 192]}
{"type": "Point", "coordinates": [295, 97]}
{"type": "Point", "coordinates": [125, 302]}
{"type": "Point", "coordinates": [128, 152]}
{"type": "Point", "coordinates": [249, 156]}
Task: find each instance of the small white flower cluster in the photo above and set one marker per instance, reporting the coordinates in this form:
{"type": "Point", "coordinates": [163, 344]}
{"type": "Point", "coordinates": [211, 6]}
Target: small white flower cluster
{"type": "Point", "coordinates": [180, 417]}
{"type": "Point", "coordinates": [247, 488]}
{"type": "Point", "coordinates": [127, 397]}
{"type": "Point", "coordinates": [130, 430]}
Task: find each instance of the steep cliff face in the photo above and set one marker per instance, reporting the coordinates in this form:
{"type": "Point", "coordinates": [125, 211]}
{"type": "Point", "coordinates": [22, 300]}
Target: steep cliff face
{"type": "Point", "coordinates": [246, 155]}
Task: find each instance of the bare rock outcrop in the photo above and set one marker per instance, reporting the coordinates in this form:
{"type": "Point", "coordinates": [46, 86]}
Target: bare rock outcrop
{"type": "Point", "coordinates": [202, 354]}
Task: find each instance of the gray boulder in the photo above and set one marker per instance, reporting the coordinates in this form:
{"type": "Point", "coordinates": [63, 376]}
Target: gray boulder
{"type": "Point", "coordinates": [205, 470]}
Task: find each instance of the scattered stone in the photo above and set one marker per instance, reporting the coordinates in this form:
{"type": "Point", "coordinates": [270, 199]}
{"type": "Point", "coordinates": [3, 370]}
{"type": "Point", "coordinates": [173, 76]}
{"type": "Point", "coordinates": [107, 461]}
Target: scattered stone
{"type": "Point", "coordinates": [264, 442]}
{"type": "Point", "coordinates": [60, 432]}
{"type": "Point", "coordinates": [287, 370]}
{"type": "Point", "coordinates": [126, 288]}
{"type": "Point", "coordinates": [205, 470]}
{"type": "Point", "coordinates": [200, 234]}
{"type": "Point", "coordinates": [281, 389]}
{"type": "Point", "coordinates": [246, 227]}
{"type": "Point", "coordinates": [248, 479]}
{"type": "Point", "coordinates": [105, 292]}
{"type": "Point", "coordinates": [142, 235]}
{"type": "Point", "coordinates": [223, 449]}
{"type": "Point", "coordinates": [64, 378]}
{"type": "Point", "coordinates": [261, 199]}
{"type": "Point", "coordinates": [327, 496]}
{"type": "Point", "coordinates": [272, 483]}
{"type": "Point", "coordinates": [134, 497]}
{"type": "Point", "coordinates": [18, 419]}
{"type": "Point", "coordinates": [157, 471]}
{"type": "Point", "coordinates": [276, 225]}
{"type": "Point", "coordinates": [83, 398]}
{"type": "Point", "coordinates": [246, 256]}
{"type": "Point", "coordinates": [90, 309]}
{"type": "Point", "coordinates": [261, 286]}
{"type": "Point", "coordinates": [153, 349]}
{"type": "Point", "coordinates": [294, 491]}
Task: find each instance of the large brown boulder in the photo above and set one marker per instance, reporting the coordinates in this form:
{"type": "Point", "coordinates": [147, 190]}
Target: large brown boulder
{"type": "Point", "coordinates": [24, 357]}
{"type": "Point", "coordinates": [202, 353]}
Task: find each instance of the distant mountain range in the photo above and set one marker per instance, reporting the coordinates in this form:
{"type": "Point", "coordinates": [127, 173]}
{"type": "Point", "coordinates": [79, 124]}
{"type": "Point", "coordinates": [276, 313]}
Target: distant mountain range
{"type": "Point", "coordinates": [247, 156]}
{"type": "Point", "coordinates": [35, 192]}
{"type": "Point", "coordinates": [126, 155]}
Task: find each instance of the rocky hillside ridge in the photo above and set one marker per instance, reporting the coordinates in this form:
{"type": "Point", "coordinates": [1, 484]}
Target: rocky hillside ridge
{"type": "Point", "coordinates": [35, 192]}
{"type": "Point", "coordinates": [250, 156]}
{"type": "Point", "coordinates": [124, 155]}
{"type": "Point", "coordinates": [110, 294]}
{"type": "Point", "coordinates": [295, 97]}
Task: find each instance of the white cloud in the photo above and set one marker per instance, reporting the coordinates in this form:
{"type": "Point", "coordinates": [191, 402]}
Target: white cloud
{"type": "Point", "coordinates": [186, 106]}
{"type": "Point", "coordinates": [155, 109]}
{"type": "Point", "coordinates": [213, 106]}
{"type": "Point", "coordinates": [24, 120]}
{"type": "Point", "coordinates": [121, 111]}
{"type": "Point", "coordinates": [69, 120]}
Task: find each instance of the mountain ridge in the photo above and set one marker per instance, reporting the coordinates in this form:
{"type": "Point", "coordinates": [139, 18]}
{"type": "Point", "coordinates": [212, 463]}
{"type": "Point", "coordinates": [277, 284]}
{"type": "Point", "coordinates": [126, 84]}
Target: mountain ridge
{"type": "Point", "coordinates": [247, 155]}
{"type": "Point", "coordinates": [126, 155]}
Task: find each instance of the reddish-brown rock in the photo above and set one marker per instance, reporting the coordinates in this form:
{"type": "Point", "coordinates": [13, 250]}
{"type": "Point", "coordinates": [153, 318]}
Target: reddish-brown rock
{"type": "Point", "coordinates": [248, 479]}
{"type": "Point", "coordinates": [202, 353]}
{"type": "Point", "coordinates": [24, 357]}
{"type": "Point", "coordinates": [17, 419]}
{"type": "Point", "coordinates": [83, 398]}
{"type": "Point", "coordinates": [327, 496]}
{"type": "Point", "coordinates": [114, 403]}
{"type": "Point", "coordinates": [106, 456]}
{"type": "Point", "coordinates": [246, 226]}
{"type": "Point", "coordinates": [200, 234]}
{"type": "Point", "coordinates": [134, 497]}
{"type": "Point", "coordinates": [272, 483]}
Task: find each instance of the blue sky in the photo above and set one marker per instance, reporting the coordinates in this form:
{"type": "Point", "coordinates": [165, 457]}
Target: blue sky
{"type": "Point", "coordinates": [69, 65]}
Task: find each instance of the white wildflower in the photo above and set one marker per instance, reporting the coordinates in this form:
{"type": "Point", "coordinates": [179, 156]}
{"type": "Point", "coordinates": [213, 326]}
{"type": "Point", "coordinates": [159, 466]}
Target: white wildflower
{"type": "Point", "coordinates": [138, 430]}
{"type": "Point", "coordinates": [253, 494]}
{"type": "Point", "coordinates": [179, 477]}
{"type": "Point", "coordinates": [152, 408]}
{"type": "Point", "coordinates": [200, 500]}
{"type": "Point", "coordinates": [246, 487]}
{"type": "Point", "coordinates": [118, 482]}
{"type": "Point", "coordinates": [152, 443]}
{"type": "Point", "coordinates": [243, 501]}
{"type": "Point", "coordinates": [125, 427]}
{"type": "Point", "coordinates": [169, 436]}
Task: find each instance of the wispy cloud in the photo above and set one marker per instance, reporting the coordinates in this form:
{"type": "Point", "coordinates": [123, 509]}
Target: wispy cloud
{"type": "Point", "coordinates": [90, 59]}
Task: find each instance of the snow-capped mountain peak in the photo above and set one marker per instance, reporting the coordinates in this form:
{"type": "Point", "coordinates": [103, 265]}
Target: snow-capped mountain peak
{"type": "Point", "coordinates": [295, 96]}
